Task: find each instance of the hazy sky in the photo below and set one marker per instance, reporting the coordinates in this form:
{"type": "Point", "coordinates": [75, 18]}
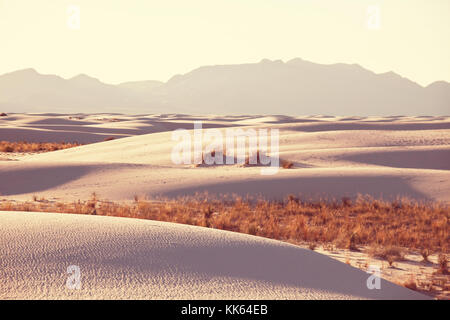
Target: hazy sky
{"type": "Point", "coordinates": [123, 40]}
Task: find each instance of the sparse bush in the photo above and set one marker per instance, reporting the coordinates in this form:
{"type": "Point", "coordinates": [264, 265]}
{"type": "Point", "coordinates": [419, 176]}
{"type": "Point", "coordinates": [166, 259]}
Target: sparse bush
{"type": "Point", "coordinates": [346, 202]}
{"type": "Point", "coordinates": [329, 247]}
{"type": "Point", "coordinates": [410, 284]}
{"type": "Point", "coordinates": [6, 148]}
{"type": "Point", "coordinates": [252, 229]}
{"type": "Point", "coordinates": [443, 264]}
{"type": "Point", "coordinates": [286, 164]}
{"type": "Point", "coordinates": [425, 253]}
{"type": "Point", "coordinates": [352, 242]}
{"type": "Point", "coordinates": [292, 197]}
{"type": "Point", "coordinates": [246, 162]}
{"type": "Point", "coordinates": [390, 253]}
{"type": "Point", "coordinates": [390, 259]}
{"type": "Point", "coordinates": [23, 146]}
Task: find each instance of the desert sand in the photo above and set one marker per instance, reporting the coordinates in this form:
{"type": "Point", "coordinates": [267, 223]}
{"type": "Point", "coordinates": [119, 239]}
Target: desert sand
{"type": "Point", "coordinates": [333, 157]}
{"type": "Point", "coordinates": [122, 258]}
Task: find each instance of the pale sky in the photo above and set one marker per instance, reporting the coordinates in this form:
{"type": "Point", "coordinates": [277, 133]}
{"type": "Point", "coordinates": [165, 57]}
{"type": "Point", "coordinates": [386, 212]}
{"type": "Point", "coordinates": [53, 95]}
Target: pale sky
{"type": "Point", "coordinates": [126, 40]}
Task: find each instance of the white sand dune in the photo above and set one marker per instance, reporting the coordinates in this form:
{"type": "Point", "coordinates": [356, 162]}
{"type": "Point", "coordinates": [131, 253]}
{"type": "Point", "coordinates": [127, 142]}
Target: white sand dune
{"type": "Point", "coordinates": [334, 157]}
{"type": "Point", "coordinates": [122, 258]}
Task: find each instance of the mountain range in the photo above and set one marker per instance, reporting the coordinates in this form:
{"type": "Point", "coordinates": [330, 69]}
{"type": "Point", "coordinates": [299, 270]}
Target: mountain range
{"type": "Point", "coordinates": [295, 87]}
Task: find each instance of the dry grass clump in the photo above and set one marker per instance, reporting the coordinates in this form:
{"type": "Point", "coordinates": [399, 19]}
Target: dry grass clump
{"type": "Point", "coordinates": [22, 146]}
{"type": "Point", "coordinates": [443, 264]}
{"type": "Point", "coordinates": [410, 284]}
{"type": "Point", "coordinates": [214, 154]}
{"type": "Point", "coordinates": [384, 226]}
{"type": "Point", "coordinates": [425, 253]}
{"type": "Point", "coordinates": [286, 164]}
{"type": "Point", "coordinates": [389, 253]}
{"type": "Point", "coordinates": [5, 147]}
{"type": "Point", "coordinates": [258, 156]}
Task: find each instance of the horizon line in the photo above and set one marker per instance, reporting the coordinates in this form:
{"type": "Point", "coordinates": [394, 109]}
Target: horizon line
{"type": "Point", "coordinates": [264, 60]}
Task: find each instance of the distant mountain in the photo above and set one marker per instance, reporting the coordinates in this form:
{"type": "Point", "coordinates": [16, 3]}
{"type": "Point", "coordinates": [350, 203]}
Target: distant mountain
{"type": "Point", "coordinates": [142, 86]}
{"type": "Point", "coordinates": [302, 87]}
{"type": "Point", "coordinates": [28, 91]}
{"type": "Point", "coordinates": [295, 87]}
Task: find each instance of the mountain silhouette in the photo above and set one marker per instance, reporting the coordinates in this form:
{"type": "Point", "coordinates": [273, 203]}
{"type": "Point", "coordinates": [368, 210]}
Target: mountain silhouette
{"type": "Point", "coordinates": [296, 87]}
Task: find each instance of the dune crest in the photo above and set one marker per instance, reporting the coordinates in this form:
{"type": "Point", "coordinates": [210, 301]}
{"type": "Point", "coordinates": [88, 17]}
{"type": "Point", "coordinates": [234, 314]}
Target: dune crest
{"type": "Point", "coordinates": [122, 258]}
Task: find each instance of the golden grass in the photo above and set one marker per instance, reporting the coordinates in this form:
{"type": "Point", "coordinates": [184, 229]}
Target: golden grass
{"type": "Point", "coordinates": [388, 229]}
{"type": "Point", "coordinates": [22, 146]}
{"type": "Point", "coordinates": [382, 225]}
{"type": "Point", "coordinates": [389, 253]}
{"type": "Point", "coordinates": [443, 264]}
{"type": "Point", "coordinates": [286, 164]}
{"type": "Point", "coordinates": [410, 284]}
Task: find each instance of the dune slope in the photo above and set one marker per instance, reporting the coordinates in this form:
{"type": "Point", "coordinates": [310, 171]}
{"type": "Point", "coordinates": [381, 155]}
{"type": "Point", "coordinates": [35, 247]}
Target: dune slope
{"type": "Point", "coordinates": [123, 258]}
{"type": "Point", "coordinates": [333, 157]}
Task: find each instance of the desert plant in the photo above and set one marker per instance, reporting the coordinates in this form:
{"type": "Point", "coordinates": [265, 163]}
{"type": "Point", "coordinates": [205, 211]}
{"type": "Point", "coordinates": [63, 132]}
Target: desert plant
{"type": "Point", "coordinates": [410, 284]}
{"type": "Point", "coordinates": [6, 148]}
{"type": "Point", "coordinates": [286, 164]}
{"type": "Point", "coordinates": [352, 242]}
{"type": "Point", "coordinates": [443, 264]}
{"type": "Point", "coordinates": [23, 146]}
{"type": "Point", "coordinates": [346, 202]}
{"type": "Point", "coordinates": [390, 253]}
{"type": "Point", "coordinates": [425, 252]}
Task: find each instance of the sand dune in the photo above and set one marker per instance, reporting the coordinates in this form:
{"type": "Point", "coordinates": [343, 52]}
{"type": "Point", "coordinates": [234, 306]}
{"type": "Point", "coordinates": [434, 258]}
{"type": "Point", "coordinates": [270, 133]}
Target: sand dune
{"type": "Point", "coordinates": [123, 258]}
{"type": "Point", "coordinates": [333, 157]}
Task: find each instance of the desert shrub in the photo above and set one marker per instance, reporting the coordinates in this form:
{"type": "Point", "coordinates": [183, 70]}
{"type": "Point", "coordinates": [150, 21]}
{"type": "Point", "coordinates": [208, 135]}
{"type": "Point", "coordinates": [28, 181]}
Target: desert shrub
{"type": "Point", "coordinates": [443, 264]}
{"type": "Point", "coordinates": [23, 146]}
{"type": "Point", "coordinates": [425, 253]}
{"type": "Point", "coordinates": [286, 164]}
{"type": "Point", "coordinates": [6, 148]}
{"type": "Point", "coordinates": [410, 284]}
{"type": "Point", "coordinates": [346, 201]}
{"type": "Point", "coordinates": [390, 253]}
